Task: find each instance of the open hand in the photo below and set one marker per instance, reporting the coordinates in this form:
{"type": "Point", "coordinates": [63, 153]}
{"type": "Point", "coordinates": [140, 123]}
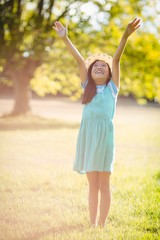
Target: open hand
{"type": "Point", "coordinates": [60, 29]}
{"type": "Point", "coordinates": [132, 26]}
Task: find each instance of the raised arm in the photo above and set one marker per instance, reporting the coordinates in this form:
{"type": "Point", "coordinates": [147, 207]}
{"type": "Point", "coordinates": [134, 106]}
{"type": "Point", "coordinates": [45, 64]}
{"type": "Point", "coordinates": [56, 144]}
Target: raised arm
{"type": "Point", "coordinates": [131, 27]}
{"type": "Point", "coordinates": [62, 32]}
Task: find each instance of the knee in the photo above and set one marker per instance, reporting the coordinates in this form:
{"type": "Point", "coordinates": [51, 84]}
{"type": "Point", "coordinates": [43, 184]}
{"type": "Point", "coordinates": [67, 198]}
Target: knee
{"type": "Point", "coordinates": [104, 188]}
{"type": "Point", "coordinates": [94, 188]}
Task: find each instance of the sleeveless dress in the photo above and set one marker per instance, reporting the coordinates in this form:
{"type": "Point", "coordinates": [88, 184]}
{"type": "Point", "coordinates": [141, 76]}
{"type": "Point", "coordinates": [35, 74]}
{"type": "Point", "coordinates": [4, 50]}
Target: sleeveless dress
{"type": "Point", "coordinates": [95, 143]}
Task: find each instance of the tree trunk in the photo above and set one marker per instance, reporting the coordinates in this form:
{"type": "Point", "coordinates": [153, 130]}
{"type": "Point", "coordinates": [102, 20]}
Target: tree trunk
{"type": "Point", "coordinates": [21, 76]}
{"type": "Point", "coordinates": [22, 97]}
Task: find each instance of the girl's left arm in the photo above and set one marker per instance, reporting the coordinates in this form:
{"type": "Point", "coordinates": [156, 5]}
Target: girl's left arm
{"type": "Point", "coordinates": [131, 27]}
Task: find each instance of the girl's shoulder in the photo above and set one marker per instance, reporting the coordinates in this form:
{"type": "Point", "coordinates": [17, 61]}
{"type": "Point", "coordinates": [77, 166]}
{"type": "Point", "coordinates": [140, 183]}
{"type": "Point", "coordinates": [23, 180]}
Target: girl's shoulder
{"type": "Point", "coordinates": [114, 89]}
{"type": "Point", "coordinates": [111, 85]}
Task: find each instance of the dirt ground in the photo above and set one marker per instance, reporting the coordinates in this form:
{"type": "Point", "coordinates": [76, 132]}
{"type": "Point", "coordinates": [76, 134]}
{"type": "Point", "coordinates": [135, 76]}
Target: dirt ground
{"type": "Point", "coordinates": [66, 110]}
{"type": "Point", "coordinates": [56, 108]}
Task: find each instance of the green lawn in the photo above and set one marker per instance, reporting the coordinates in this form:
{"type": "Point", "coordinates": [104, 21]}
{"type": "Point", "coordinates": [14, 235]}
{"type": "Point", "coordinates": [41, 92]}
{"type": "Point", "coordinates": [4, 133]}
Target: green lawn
{"type": "Point", "coordinates": [43, 199]}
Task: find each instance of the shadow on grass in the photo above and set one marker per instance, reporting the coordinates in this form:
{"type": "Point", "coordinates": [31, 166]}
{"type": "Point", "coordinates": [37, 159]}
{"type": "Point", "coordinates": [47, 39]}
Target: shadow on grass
{"type": "Point", "coordinates": [54, 231]}
{"type": "Point", "coordinates": [33, 123]}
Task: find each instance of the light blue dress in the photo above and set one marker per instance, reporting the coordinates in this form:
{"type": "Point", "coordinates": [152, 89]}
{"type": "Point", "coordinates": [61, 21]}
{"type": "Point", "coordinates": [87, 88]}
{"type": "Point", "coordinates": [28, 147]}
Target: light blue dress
{"type": "Point", "coordinates": [95, 144]}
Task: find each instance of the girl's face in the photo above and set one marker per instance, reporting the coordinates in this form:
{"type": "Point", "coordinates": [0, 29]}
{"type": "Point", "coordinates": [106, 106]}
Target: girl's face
{"type": "Point", "coordinates": [100, 72]}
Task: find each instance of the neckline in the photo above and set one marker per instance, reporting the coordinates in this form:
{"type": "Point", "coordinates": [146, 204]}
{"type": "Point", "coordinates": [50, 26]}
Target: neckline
{"type": "Point", "coordinates": [101, 86]}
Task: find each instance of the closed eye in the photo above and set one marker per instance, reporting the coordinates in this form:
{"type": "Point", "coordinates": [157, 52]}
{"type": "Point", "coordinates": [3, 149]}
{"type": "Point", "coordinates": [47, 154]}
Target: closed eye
{"type": "Point", "coordinates": [100, 66]}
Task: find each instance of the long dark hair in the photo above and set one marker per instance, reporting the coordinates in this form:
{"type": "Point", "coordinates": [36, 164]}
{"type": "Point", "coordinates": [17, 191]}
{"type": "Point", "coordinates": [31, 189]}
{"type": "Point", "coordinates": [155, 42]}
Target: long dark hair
{"type": "Point", "coordinates": [90, 90]}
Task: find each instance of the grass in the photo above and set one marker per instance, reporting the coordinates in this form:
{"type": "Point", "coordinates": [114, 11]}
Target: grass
{"type": "Point", "coordinates": [43, 199]}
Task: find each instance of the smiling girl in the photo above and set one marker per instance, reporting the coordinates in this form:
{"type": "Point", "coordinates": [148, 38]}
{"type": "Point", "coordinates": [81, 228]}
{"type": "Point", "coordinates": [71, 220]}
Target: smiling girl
{"type": "Point", "coordinates": [95, 152]}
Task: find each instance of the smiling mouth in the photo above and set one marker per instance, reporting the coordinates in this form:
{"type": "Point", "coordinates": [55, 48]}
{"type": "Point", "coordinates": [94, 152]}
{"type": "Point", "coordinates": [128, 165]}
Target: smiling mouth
{"type": "Point", "coordinates": [99, 72]}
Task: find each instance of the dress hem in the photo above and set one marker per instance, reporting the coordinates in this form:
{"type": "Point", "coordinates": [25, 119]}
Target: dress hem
{"type": "Point", "coordinates": [84, 172]}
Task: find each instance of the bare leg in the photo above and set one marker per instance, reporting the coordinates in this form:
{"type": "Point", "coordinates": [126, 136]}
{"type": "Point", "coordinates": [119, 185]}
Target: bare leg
{"type": "Point", "coordinates": [104, 186]}
{"type": "Point", "coordinates": [93, 195]}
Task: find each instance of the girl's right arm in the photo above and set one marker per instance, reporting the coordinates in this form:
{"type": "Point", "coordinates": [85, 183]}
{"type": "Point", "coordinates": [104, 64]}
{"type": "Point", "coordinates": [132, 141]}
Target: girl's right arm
{"type": "Point", "coordinates": [62, 32]}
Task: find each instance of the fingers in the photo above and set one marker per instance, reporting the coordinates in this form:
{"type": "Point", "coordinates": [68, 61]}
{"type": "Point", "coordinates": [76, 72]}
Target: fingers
{"type": "Point", "coordinates": [54, 27]}
{"type": "Point", "coordinates": [137, 26]}
{"type": "Point", "coordinates": [57, 25]}
{"type": "Point", "coordinates": [135, 22]}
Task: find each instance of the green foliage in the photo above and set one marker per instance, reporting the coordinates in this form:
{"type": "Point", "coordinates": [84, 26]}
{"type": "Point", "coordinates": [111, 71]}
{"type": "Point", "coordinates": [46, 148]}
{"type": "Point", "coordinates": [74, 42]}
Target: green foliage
{"type": "Point", "coordinates": [27, 35]}
{"type": "Point", "coordinates": [140, 68]}
{"type": "Point", "coordinates": [58, 75]}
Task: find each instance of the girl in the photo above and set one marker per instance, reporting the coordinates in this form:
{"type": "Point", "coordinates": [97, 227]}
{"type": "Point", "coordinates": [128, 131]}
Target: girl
{"type": "Point", "coordinates": [100, 78]}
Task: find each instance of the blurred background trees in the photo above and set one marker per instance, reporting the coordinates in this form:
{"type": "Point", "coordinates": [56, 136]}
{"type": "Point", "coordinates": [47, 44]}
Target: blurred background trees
{"type": "Point", "coordinates": [33, 58]}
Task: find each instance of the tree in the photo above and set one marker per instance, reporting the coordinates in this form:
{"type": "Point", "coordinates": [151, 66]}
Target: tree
{"type": "Point", "coordinates": [24, 29]}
